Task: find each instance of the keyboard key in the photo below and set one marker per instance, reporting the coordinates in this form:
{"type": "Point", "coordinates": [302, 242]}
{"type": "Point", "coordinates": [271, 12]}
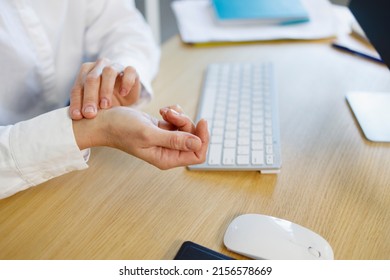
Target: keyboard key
{"type": "Point", "coordinates": [244, 132]}
{"type": "Point", "coordinates": [217, 131]}
{"type": "Point", "coordinates": [243, 160]}
{"type": "Point", "coordinates": [219, 123]}
{"type": "Point", "coordinates": [231, 126]}
{"type": "Point", "coordinates": [208, 109]}
{"type": "Point", "coordinates": [229, 156]}
{"type": "Point", "coordinates": [257, 145]}
{"type": "Point", "coordinates": [270, 159]}
{"type": "Point", "coordinates": [215, 154]}
{"type": "Point", "coordinates": [216, 139]}
{"type": "Point", "coordinates": [257, 136]}
{"type": "Point", "coordinates": [230, 134]}
{"type": "Point", "coordinates": [257, 128]}
{"type": "Point", "coordinates": [243, 150]}
{"type": "Point", "coordinates": [229, 143]}
{"type": "Point", "coordinates": [257, 157]}
{"type": "Point", "coordinates": [243, 141]}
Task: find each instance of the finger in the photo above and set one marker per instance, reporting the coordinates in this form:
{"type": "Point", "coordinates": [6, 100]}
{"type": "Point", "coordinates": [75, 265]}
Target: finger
{"type": "Point", "coordinates": [108, 79]}
{"type": "Point", "coordinates": [129, 78]}
{"type": "Point", "coordinates": [181, 121]}
{"type": "Point", "coordinates": [166, 125]}
{"type": "Point", "coordinates": [177, 140]}
{"type": "Point", "coordinates": [134, 93]}
{"type": "Point", "coordinates": [129, 88]}
{"type": "Point", "coordinates": [162, 124]}
{"type": "Point", "coordinates": [176, 107]}
{"type": "Point", "coordinates": [92, 88]}
{"type": "Point", "coordinates": [203, 133]}
{"type": "Point", "coordinates": [76, 95]}
{"type": "Point", "coordinates": [176, 159]}
{"type": "Point", "coordinates": [199, 156]}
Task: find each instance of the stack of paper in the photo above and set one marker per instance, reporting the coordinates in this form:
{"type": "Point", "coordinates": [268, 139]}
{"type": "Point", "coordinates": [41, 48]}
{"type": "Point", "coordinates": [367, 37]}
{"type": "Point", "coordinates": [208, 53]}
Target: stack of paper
{"type": "Point", "coordinates": [197, 24]}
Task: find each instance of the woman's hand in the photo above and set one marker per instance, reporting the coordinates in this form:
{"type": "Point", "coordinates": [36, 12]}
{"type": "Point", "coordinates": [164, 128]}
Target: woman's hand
{"type": "Point", "coordinates": [171, 142]}
{"type": "Point", "coordinates": [102, 85]}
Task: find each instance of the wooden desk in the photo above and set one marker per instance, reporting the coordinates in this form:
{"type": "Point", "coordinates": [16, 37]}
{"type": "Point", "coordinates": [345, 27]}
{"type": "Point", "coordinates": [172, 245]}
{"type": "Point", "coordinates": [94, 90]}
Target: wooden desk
{"type": "Point", "coordinates": [332, 181]}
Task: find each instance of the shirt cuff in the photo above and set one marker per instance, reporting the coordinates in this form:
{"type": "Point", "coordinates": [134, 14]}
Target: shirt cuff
{"type": "Point", "coordinates": [45, 147]}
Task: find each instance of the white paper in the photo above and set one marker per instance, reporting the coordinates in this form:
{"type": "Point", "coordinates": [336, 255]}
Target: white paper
{"type": "Point", "coordinates": [197, 24]}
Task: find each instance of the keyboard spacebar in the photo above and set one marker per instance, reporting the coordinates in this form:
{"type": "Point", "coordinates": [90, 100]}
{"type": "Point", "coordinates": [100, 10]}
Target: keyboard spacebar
{"type": "Point", "coordinates": [215, 154]}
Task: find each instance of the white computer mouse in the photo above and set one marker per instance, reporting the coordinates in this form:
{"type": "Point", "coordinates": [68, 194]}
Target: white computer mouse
{"type": "Point", "coordinates": [264, 237]}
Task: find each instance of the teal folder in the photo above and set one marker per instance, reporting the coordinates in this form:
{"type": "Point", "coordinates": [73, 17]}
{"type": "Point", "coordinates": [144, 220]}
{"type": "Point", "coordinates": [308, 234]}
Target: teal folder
{"type": "Point", "coordinates": [267, 11]}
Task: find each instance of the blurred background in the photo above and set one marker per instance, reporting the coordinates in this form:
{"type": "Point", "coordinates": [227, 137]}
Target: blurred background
{"type": "Point", "coordinates": [161, 17]}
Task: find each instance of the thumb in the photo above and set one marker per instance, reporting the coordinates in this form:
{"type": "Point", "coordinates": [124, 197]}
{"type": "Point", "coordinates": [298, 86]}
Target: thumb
{"type": "Point", "coordinates": [178, 140]}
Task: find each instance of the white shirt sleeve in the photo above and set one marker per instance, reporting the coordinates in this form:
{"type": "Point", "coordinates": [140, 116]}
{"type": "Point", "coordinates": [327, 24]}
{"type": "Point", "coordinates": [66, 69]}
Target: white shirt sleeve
{"type": "Point", "coordinates": [34, 151]}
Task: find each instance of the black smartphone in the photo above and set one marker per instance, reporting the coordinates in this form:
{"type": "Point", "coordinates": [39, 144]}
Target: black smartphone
{"type": "Point", "coordinates": [192, 251]}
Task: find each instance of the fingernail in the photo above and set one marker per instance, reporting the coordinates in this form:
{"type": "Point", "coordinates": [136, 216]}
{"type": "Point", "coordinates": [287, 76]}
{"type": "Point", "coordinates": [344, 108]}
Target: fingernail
{"type": "Point", "coordinates": [174, 112]}
{"type": "Point", "coordinates": [192, 144]}
{"type": "Point", "coordinates": [89, 109]}
{"type": "Point", "coordinates": [104, 103]}
{"type": "Point", "coordinates": [164, 110]}
{"type": "Point", "coordinates": [76, 113]}
{"type": "Point", "coordinates": [123, 92]}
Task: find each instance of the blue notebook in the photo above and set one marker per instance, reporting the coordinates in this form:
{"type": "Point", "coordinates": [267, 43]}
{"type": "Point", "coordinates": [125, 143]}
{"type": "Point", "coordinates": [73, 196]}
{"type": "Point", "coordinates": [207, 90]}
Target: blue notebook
{"type": "Point", "coordinates": [265, 11]}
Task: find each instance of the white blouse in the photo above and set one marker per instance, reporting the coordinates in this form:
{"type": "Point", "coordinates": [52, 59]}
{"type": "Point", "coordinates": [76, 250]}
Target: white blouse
{"type": "Point", "coordinates": [42, 46]}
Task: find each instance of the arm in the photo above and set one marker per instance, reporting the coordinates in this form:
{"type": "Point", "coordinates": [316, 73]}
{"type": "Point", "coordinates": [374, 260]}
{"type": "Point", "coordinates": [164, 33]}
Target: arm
{"type": "Point", "coordinates": [49, 145]}
{"type": "Point", "coordinates": [34, 151]}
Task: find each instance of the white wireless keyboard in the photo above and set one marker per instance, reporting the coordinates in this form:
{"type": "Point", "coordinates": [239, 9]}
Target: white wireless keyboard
{"type": "Point", "coordinates": [239, 101]}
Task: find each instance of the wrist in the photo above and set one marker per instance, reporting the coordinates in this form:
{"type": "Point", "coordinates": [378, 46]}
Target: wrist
{"type": "Point", "coordinates": [91, 132]}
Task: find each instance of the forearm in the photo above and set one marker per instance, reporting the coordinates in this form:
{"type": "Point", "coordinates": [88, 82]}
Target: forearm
{"type": "Point", "coordinates": [37, 150]}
